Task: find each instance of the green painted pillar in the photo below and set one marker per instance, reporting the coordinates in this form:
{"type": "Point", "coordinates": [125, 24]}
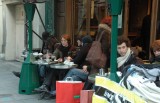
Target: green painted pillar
{"type": "Point", "coordinates": [49, 16]}
{"type": "Point", "coordinates": [113, 75]}
{"type": "Point", "coordinates": [115, 7]}
{"type": "Point", "coordinates": [29, 78]}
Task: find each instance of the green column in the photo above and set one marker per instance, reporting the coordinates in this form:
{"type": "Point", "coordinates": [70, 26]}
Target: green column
{"type": "Point", "coordinates": [49, 16]}
{"type": "Point", "coordinates": [113, 75]}
{"type": "Point", "coordinates": [115, 7]}
{"type": "Point", "coordinates": [29, 78]}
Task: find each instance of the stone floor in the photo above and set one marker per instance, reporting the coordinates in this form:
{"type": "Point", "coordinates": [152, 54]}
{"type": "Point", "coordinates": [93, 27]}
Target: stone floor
{"type": "Point", "coordinates": [9, 85]}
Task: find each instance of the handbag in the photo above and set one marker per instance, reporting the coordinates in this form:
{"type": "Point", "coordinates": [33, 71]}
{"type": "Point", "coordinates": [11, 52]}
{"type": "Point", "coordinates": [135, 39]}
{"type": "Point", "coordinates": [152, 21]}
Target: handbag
{"type": "Point", "coordinates": [68, 91]}
{"type": "Point", "coordinates": [95, 56]}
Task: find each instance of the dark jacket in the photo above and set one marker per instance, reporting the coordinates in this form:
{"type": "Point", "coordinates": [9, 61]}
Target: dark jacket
{"type": "Point", "coordinates": [62, 51]}
{"type": "Point", "coordinates": [155, 60]}
{"type": "Point", "coordinates": [105, 30]}
{"type": "Point", "coordinates": [133, 59]}
{"type": "Point", "coordinates": [81, 55]}
{"type": "Point", "coordinates": [80, 58]}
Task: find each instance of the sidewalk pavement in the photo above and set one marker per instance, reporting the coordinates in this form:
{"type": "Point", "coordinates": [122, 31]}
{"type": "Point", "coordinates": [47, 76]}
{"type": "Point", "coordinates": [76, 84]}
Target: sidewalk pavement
{"type": "Point", "coordinates": [9, 85]}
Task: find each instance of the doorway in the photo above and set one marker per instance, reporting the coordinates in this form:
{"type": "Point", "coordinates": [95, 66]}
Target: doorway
{"type": "Point", "coordinates": [139, 24]}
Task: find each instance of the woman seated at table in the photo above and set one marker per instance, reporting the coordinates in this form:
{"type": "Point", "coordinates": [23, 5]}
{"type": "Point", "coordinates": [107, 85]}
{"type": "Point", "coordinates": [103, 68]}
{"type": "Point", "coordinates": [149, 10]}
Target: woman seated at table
{"type": "Point", "coordinates": [61, 51]}
{"type": "Point", "coordinates": [80, 73]}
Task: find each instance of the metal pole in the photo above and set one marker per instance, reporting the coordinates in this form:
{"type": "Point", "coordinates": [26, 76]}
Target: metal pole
{"type": "Point", "coordinates": [29, 79]}
{"type": "Point", "coordinates": [113, 75]}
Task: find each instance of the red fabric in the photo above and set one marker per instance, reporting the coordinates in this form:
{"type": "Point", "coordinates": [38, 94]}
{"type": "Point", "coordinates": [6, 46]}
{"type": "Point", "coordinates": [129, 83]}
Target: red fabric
{"type": "Point", "coordinates": [107, 20]}
{"type": "Point", "coordinates": [65, 92]}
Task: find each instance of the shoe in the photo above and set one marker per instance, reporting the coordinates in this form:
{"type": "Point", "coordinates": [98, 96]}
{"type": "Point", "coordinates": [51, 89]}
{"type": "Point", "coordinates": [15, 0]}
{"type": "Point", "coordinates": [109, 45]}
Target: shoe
{"type": "Point", "coordinates": [17, 74]}
{"type": "Point", "coordinates": [53, 93]}
{"type": "Point", "coordinates": [42, 88]}
{"type": "Point", "coordinates": [49, 96]}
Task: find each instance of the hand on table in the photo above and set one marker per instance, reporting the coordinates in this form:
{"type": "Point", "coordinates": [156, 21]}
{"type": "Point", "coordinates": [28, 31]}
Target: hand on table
{"type": "Point", "coordinates": [69, 58]}
{"type": "Point", "coordinates": [60, 60]}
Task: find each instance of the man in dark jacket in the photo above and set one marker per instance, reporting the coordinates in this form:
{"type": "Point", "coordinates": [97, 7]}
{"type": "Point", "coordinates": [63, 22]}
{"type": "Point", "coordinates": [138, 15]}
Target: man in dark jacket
{"type": "Point", "coordinates": [126, 55]}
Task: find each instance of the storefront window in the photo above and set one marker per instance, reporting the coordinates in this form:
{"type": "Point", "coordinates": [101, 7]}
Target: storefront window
{"type": "Point", "coordinates": [88, 24]}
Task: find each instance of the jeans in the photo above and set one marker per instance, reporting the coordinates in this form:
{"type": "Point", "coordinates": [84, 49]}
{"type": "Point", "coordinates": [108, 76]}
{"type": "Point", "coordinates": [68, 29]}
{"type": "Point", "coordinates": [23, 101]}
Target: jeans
{"type": "Point", "coordinates": [77, 74]}
{"type": "Point", "coordinates": [42, 70]}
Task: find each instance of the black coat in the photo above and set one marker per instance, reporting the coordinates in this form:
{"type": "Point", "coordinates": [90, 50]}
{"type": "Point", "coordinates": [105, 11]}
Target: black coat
{"type": "Point", "coordinates": [131, 60]}
{"type": "Point", "coordinates": [81, 55]}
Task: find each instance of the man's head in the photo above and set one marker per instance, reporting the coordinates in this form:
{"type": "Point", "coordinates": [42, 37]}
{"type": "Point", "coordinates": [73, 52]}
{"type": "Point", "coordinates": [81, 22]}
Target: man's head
{"type": "Point", "coordinates": [86, 39]}
{"type": "Point", "coordinates": [155, 48]}
{"type": "Point", "coordinates": [122, 45]}
{"type": "Point", "coordinates": [79, 40]}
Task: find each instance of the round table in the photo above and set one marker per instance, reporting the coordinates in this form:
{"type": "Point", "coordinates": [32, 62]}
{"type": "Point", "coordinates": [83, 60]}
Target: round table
{"type": "Point", "coordinates": [62, 66]}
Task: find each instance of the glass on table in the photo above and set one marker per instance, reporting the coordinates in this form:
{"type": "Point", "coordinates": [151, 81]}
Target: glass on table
{"type": "Point", "coordinates": [53, 57]}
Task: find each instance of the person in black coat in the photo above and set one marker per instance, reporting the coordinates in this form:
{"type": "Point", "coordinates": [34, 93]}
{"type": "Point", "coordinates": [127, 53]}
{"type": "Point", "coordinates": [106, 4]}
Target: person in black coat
{"type": "Point", "coordinates": [81, 73]}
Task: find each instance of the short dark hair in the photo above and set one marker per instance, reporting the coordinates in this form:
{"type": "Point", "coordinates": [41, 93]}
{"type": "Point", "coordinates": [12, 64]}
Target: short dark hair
{"type": "Point", "coordinates": [79, 37]}
{"type": "Point", "coordinates": [45, 35]}
{"type": "Point", "coordinates": [124, 39]}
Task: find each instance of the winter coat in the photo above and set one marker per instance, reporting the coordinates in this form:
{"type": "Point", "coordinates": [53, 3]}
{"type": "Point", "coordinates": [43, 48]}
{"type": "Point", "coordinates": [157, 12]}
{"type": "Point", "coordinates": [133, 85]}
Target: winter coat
{"type": "Point", "coordinates": [81, 55]}
{"type": "Point", "coordinates": [62, 51]}
{"type": "Point", "coordinates": [105, 30]}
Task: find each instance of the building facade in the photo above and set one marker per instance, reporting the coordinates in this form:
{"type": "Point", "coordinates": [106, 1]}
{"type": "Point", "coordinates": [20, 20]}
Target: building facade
{"type": "Point", "coordinates": [74, 17]}
{"type": "Point", "coordinates": [14, 33]}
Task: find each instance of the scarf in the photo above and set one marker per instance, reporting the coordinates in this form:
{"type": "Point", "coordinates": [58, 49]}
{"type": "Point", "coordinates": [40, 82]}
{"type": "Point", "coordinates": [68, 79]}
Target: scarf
{"type": "Point", "coordinates": [64, 50]}
{"type": "Point", "coordinates": [122, 60]}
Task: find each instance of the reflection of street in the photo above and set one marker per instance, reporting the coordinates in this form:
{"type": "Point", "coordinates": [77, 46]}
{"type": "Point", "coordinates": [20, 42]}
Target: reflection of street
{"type": "Point", "coordinates": [9, 85]}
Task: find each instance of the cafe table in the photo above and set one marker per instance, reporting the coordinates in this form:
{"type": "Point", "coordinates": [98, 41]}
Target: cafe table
{"type": "Point", "coordinates": [44, 62]}
{"type": "Point", "coordinates": [62, 66]}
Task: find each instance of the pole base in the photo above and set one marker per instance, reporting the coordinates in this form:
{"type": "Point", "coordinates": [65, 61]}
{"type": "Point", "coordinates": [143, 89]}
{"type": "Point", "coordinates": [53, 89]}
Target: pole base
{"type": "Point", "coordinates": [29, 79]}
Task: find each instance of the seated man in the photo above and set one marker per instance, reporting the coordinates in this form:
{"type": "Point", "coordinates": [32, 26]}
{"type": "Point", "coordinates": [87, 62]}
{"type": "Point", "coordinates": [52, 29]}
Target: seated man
{"type": "Point", "coordinates": [125, 55]}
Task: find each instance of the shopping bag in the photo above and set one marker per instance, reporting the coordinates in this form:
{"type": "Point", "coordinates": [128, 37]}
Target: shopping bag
{"type": "Point", "coordinates": [68, 91]}
{"type": "Point", "coordinates": [108, 91]}
{"type": "Point", "coordinates": [86, 96]}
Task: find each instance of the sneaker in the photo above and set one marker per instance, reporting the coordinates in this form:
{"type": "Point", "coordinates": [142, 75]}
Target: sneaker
{"type": "Point", "coordinates": [17, 74]}
{"type": "Point", "coordinates": [53, 93]}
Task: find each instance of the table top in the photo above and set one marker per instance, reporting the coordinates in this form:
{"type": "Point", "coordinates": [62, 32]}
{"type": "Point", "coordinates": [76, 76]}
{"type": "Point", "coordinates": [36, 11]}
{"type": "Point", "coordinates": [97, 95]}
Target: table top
{"type": "Point", "coordinates": [43, 62]}
{"type": "Point", "coordinates": [62, 66]}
